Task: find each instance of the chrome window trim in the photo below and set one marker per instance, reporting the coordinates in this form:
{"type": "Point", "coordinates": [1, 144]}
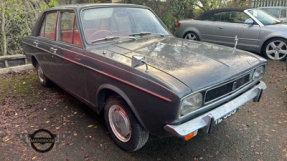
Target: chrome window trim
{"type": "Point", "coordinates": [254, 18]}
{"type": "Point", "coordinates": [250, 79]}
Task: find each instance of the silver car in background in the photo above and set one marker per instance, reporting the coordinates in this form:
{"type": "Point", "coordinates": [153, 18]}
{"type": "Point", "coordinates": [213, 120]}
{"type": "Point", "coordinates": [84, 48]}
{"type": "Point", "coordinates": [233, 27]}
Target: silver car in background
{"type": "Point", "coordinates": [277, 12]}
{"type": "Point", "coordinates": [256, 30]}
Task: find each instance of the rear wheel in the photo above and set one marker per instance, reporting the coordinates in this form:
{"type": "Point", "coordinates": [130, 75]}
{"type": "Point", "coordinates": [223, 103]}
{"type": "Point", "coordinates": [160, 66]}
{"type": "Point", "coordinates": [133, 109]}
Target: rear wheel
{"type": "Point", "coordinates": [44, 81]}
{"type": "Point", "coordinates": [276, 49]}
{"type": "Point", "coordinates": [191, 36]}
{"type": "Point", "coordinates": [124, 128]}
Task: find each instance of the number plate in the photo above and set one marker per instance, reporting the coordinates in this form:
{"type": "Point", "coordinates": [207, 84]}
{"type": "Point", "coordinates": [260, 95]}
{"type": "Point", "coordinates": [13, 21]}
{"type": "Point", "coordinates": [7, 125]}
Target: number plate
{"type": "Point", "coordinates": [225, 117]}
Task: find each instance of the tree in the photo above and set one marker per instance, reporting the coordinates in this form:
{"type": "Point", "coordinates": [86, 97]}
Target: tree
{"type": "Point", "coordinates": [3, 30]}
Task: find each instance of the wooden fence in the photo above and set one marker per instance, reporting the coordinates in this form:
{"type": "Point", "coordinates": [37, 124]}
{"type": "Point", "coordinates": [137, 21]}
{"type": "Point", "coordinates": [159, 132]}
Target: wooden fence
{"type": "Point", "coordinates": [268, 3]}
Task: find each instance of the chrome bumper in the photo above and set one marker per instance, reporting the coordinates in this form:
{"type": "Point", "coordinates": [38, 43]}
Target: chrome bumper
{"type": "Point", "coordinates": [206, 121]}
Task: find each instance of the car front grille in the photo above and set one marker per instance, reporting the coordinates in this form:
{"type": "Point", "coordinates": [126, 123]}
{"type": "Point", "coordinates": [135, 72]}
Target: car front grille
{"type": "Point", "coordinates": [227, 88]}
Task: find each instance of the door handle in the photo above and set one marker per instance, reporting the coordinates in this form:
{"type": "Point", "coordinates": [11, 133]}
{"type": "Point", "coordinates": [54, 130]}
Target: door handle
{"type": "Point", "coordinates": [220, 28]}
{"type": "Point", "coordinates": [35, 43]}
{"type": "Point", "coordinates": [53, 50]}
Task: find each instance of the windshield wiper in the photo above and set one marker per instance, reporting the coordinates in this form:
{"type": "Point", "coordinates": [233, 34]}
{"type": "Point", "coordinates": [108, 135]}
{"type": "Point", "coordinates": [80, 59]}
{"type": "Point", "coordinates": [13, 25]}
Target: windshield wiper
{"type": "Point", "coordinates": [146, 33]}
{"type": "Point", "coordinates": [105, 39]}
{"type": "Point", "coordinates": [140, 34]}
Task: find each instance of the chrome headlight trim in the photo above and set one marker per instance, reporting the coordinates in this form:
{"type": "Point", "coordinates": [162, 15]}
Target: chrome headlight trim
{"type": "Point", "coordinates": [190, 104]}
{"type": "Point", "coordinates": [258, 73]}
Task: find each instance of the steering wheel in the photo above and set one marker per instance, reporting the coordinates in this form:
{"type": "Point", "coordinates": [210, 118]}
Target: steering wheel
{"type": "Point", "coordinates": [97, 32]}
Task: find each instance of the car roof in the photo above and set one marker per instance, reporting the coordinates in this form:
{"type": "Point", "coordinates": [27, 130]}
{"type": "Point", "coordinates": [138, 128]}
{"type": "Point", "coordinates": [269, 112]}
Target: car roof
{"type": "Point", "coordinates": [207, 14]}
{"type": "Point", "coordinates": [80, 6]}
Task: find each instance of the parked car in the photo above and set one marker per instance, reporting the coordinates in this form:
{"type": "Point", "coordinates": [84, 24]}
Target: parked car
{"type": "Point", "coordinates": [257, 31]}
{"type": "Point", "coordinates": [277, 12]}
{"type": "Point", "coordinates": [122, 61]}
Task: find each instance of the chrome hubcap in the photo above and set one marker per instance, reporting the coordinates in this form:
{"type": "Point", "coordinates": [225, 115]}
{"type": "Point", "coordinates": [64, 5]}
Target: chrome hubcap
{"type": "Point", "coordinates": [40, 74]}
{"type": "Point", "coordinates": [276, 50]}
{"type": "Point", "coordinates": [120, 123]}
{"type": "Point", "coordinates": [191, 36]}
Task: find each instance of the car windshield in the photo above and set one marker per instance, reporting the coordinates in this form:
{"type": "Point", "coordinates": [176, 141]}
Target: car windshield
{"type": "Point", "coordinates": [275, 12]}
{"type": "Point", "coordinates": [103, 23]}
{"type": "Point", "coordinates": [264, 17]}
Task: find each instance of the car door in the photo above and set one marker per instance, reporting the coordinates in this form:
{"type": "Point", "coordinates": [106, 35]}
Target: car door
{"type": "Point", "coordinates": [232, 24]}
{"type": "Point", "coordinates": [71, 71]}
{"type": "Point", "coordinates": [207, 28]}
{"type": "Point", "coordinates": [44, 42]}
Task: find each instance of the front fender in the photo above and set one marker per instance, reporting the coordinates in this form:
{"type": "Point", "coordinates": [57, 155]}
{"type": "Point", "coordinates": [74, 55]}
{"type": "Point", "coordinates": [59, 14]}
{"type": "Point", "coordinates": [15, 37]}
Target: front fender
{"type": "Point", "coordinates": [124, 96]}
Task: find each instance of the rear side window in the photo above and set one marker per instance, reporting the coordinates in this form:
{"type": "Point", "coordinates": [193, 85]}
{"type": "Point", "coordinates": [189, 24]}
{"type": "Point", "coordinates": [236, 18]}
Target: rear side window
{"type": "Point", "coordinates": [49, 26]}
{"type": "Point", "coordinates": [216, 16]}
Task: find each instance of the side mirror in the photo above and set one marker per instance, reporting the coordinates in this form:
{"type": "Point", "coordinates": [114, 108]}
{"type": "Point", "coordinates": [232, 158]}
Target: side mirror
{"type": "Point", "coordinates": [249, 21]}
{"type": "Point", "coordinates": [139, 61]}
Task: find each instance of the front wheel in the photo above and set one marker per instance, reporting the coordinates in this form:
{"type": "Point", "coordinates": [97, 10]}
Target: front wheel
{"type": "Point", "coordinates": [191, 36]}
{"type": "Point", "coordinates": [124, 128]}
{"type": "Point", "coordinates": [276, 49]}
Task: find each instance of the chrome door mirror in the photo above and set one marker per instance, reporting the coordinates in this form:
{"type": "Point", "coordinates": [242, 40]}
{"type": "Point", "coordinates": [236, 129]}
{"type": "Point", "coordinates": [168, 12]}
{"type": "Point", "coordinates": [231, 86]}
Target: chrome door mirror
{"type": "Point", "coordinates": [249, 21]}
{"type": "Point", "coordinates": [139, 61]}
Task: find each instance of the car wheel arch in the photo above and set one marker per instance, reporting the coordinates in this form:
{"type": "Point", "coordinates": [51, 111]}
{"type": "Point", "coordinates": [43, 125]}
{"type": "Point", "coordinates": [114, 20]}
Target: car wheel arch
{"type": "Point", "coordinates": [34, 61]}
{"type": "Point", "coordinates": [267, 40]}
{"type": "Point", "coordinates": [106, 90]}
{"type": "Point", "coordinates": [191, 31]}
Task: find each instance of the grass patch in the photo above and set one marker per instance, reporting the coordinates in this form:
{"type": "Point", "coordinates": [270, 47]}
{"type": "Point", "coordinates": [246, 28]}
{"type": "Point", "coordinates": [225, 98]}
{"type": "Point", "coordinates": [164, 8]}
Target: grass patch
{"type": "Point", "coordinates": [18, 84]}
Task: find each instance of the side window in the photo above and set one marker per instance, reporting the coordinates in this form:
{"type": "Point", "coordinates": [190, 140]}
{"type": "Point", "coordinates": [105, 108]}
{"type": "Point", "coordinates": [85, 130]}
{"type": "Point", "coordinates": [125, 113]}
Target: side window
{"type": "Point", "coordinates": [226, 17]}
{"type": "Point", "coordinates": [216, 16]}
{"type": "Point", "coordinates": [238, 17]}
{"type": "Point", "coordinates": [76, 38]}
{"type": "Point", "coordinates": [49, 26]}
{"type": "Point", "coordinates": [66, 27]}
{"type": "Point", "coordinates": [283, 13]}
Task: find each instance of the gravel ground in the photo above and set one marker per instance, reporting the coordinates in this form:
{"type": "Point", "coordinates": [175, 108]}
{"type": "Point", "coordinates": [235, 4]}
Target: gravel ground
{"type": "Point", "coordinates": [256, 132]}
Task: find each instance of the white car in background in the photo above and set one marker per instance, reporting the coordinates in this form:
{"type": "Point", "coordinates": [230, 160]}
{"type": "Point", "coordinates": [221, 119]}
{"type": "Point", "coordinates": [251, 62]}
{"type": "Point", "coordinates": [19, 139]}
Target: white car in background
{"type": "Point", "coordinates": [278, 12]}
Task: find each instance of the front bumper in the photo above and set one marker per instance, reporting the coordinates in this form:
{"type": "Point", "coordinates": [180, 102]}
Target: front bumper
{"type": "Point", "coordinates": [206, 121]}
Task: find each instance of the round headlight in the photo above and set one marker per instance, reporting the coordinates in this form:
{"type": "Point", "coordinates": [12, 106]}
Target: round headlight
{"type": "Point", "coordinates": [258, 73]}
{"type": "Point", "coordinates": [191, 103]}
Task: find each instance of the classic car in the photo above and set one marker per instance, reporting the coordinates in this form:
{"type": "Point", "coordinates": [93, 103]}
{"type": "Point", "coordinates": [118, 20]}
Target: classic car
{"type": "Point", "coordinates": [257, 31]}
{"type": "Point", "coordinates": [277, 12]}
{"type": "Point", "coordinates": [124, 63]}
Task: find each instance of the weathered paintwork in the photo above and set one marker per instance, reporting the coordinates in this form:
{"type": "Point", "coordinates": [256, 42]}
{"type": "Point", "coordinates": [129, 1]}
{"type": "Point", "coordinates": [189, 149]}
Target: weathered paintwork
{"type": "Point", "coordinates": [177, 68]}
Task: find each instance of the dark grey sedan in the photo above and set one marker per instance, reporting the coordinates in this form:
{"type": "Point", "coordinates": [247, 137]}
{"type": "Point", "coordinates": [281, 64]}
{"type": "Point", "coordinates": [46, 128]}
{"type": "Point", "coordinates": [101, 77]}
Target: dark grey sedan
{"type": "Point", "coordinates": [122, 62]}
{"type": "Point", "coordinates": [257, 31]}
